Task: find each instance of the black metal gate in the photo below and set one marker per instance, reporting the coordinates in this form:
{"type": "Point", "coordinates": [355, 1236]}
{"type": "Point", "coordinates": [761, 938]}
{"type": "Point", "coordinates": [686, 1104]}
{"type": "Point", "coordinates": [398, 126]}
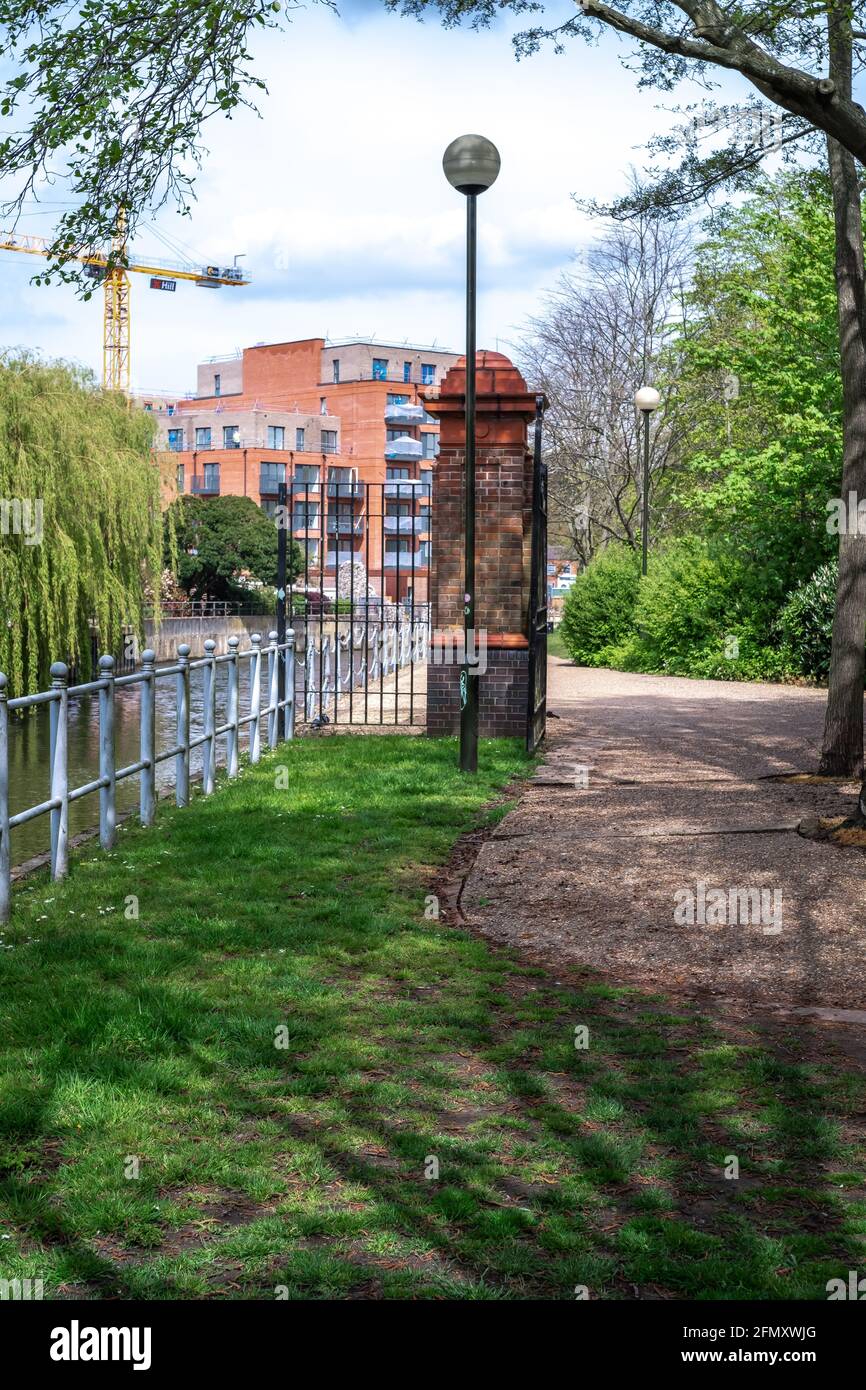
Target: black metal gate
{"type": "Point", "coordinates": [536, 718]}
{"type": "Point", "coordinates": [359, 603]}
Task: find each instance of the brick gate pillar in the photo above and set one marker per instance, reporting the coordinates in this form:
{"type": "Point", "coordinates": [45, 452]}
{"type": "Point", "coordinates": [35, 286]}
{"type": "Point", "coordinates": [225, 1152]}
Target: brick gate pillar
{"type": "Point", "coordinates": [503, 480]}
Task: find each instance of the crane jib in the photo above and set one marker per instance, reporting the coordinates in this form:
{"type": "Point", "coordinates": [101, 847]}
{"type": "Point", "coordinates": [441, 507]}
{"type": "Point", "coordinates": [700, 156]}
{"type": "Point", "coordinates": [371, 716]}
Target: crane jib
{"type": "Point", "coordinates": [116, 290]}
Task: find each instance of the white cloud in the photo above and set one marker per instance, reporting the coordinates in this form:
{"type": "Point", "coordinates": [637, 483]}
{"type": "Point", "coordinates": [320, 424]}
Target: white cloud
{"type": "Point", "coordinates": [337, 195]}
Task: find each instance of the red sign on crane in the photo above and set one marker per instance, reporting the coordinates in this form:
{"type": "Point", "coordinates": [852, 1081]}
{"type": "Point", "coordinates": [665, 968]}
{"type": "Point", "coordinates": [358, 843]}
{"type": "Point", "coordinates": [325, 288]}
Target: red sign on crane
{"type": "Point", "coordinates": [158, 283]}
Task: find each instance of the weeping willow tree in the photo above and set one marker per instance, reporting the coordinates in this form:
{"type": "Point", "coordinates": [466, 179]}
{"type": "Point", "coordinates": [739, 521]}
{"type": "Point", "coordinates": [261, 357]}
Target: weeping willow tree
{"type": "Point", "coordinates": [80, 521]}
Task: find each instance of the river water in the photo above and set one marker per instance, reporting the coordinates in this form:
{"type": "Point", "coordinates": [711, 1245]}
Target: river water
{"type": "Point", "coordinates": [29, 744]}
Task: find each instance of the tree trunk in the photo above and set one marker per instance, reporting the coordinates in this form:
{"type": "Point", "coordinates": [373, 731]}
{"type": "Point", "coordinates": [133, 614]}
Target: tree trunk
{"type": "Point", "coordinates": [842, 748]}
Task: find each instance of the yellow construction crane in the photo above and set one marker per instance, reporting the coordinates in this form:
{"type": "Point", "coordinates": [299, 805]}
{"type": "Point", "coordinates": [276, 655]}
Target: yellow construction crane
{"type": "Point", "coordinates": [116, 291]}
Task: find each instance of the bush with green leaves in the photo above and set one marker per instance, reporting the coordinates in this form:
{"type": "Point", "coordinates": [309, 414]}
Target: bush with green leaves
{"type": "Point", "coordinates": [806, 622]}
{"type": "Point", "coordinates": [693, 615]}
{"type": "Point", "coordinates": [686, 605]}
{"type": "Point", "coordinates": [223, 540]}
{"type": "Point", "coordinates": [599, 608]}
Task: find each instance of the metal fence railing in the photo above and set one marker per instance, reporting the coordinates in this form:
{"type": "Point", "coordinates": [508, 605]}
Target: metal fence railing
{"type": "Point", "coordinates": [277, 710]}
{"type": "Point", "coordinates": [360, 602]}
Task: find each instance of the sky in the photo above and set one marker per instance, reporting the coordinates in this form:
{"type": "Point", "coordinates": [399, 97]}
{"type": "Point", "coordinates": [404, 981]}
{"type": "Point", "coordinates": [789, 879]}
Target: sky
{"type": "Point", "coordinates": [337, 200]}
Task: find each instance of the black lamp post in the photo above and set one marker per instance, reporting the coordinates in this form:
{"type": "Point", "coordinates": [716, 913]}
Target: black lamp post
{"type": "Point", "coordinates": [647, 399]}
{"type": "Point", "coordinates": [471, 165]}
{"type": "Point", "coordinates": [282, 538]}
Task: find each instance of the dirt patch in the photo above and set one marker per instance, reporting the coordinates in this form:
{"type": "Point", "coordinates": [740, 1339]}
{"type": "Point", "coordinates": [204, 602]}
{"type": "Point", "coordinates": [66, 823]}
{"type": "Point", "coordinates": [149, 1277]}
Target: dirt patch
{"type": "Point", "coordinates": [221, 1209]}
{"type": "Point", "coordinates": [811, 989]}
{"type": "Point", "coordinates": [654, 794]}
{"type": "Point", "coordinates": [843, 831]}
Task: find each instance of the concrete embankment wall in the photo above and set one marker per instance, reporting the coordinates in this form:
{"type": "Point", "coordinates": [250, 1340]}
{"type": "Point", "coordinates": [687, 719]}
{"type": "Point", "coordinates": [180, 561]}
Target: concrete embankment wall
{"type": "Point", "coordinates": [166, 639]}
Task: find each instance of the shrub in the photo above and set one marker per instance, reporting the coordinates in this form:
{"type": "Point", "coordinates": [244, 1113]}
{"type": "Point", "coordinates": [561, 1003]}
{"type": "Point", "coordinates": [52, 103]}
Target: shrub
{"type": "Point", "coordinates": [599, 609]}
{"type": "Point", "coordinates": [695, 616]}
{"type": "Point", "coordinates": [685, 604]}
{"type": "Point", "coordinates": [806, 622]}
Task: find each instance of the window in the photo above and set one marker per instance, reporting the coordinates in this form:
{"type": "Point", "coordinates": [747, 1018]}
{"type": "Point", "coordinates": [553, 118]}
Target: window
{"type": "Point", "coordinates": [392, 472]}
{"type": "Point", "coordinates": [169, 408]}
{"type": "Point", "coordinates": [398, 509]}
{"type": "Point", "coordinates": [299, 440]}
{"type": "Point", "coordinates": [312, 552]}
{"type": "Point", "coordinates": [430, 445]}
{"type": "Point", "coordinates": [211, 478]}
{"type": "Point", "coordinates": [397, 400]}
{"type": "Point", "coordinates": [180, 477]}
{"type": "Point", "coordinates": [391, 435]}
{"type": "Point", "coordinates": [202, 437]}
{"type": "Point", "coordinates": [380, 369]}
{"type": "Point", "coordinates": [329, 441]}
{"type": "Point", "coordinates": [336, 365]}
{"type": "Point", "coordinates": [339, 551]}
{"type": "Point", "coordinates": [396, 546]}
{"type": "Point", "coordinates": [269, 507]}
{"type": "Point", "coordinates": [407, 371]}
{"type": "Point", "coordinates": [340, 475]}
{"type": "Point", "coordinates": [323, 405]}
{"type": "Point", "coordinates": [276, 436]}
{"type": "Point", "coordinates": [175, 440]}
{"type": "Point", "coordinates": [305, 516]}
{"type": "Point", "coordinates": [427, 476]}
{"type": "Point", "coordinates": [307, 476]}
{"type": "Point", "coordinates": [231, 436]}
{"type": "Point", "coordinates": [148, 405]}
{"type": "Point", "coordinates": [428, 373]}
{"type": "Point", "coordinates": [270, 476]}
{"type": "Point", "coordinates": [430, 419]}
{"type": "Point", "coordinates": [217, 383]}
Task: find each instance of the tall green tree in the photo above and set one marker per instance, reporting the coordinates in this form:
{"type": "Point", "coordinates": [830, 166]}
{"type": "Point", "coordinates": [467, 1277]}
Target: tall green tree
{"type": "Point", "coordinates": [80, 521]}
{"type": "Point", "coordinates": [760, 388]}
{"type": "Point", "coordinates": [112, 96]}
{"type": "Point", "coordinates": [221, 539]}
{"type": "Point", "coordinates": [803, 58]}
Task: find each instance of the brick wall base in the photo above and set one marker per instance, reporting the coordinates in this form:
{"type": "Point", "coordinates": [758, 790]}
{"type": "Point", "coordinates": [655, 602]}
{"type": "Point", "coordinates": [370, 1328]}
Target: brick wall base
{"type": "Point", "coordinates": [503, 696]}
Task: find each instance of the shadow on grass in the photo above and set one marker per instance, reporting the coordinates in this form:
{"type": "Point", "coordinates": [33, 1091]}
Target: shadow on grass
{"type": "Point", "coordinates": [425, 1125]}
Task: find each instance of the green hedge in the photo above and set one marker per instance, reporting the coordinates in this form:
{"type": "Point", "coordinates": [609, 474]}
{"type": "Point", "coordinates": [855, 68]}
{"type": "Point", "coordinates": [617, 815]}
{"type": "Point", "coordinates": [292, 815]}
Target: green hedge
{"type": "Point", "coordinates": [806, 622]}
{"type": "Point", "coordinates": [599, 608]}
{"type": "Point", "coordinates": [692, 615]}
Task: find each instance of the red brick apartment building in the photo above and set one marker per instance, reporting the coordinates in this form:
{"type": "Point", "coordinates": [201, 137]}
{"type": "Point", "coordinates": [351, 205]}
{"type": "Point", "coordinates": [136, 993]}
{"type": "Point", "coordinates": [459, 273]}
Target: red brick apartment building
{"type": "Point", "coordinates": [324, 418]}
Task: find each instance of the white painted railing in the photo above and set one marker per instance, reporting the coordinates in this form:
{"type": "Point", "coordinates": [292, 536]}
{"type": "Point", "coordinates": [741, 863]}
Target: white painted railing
{"type": "Point", "coordinates": [61, 795]}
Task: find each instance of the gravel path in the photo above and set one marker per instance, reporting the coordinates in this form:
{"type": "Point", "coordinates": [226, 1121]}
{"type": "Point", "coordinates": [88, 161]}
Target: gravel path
{"type": "Point", "coordinates": [654, 845]}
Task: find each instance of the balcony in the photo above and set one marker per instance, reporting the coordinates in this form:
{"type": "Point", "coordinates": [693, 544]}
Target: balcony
{"type": "Point", "coordinates": [269, 486]}
{"type": "Point", "coordinates": [346, 492]}
{"type": "Point", "coordinates": [407, 489]}
{"type": "Point", "coordinates": [406, 525]}
{"type": "Point", "coordinates": [404, 560]}
{"type": "Point", "coordinates": [404, 448]}
{"type": "Point", "coordinates": [405, 414]}
{"type": "Point", "coordinates": [205, 486]}
{"type": "Point", "coordinates": [345, 525]}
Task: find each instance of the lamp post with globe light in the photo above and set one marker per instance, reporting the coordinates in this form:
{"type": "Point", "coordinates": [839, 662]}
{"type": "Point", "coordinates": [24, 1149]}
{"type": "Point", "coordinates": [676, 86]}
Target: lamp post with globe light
{"type": "Point", "coordinates": [471, 165]}
{"type": "Point", "coordinates": [647, 399]}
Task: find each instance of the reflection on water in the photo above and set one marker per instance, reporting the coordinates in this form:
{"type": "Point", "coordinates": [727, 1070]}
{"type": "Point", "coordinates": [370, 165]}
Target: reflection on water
{"type": "Point", "coordinates": [28, 750]}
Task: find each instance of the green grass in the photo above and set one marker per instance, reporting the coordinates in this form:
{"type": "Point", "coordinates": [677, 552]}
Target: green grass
{"type": "Point", "coordinates": [556, 644]}
{"type": "Point", "coordinates": [295, 901]}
